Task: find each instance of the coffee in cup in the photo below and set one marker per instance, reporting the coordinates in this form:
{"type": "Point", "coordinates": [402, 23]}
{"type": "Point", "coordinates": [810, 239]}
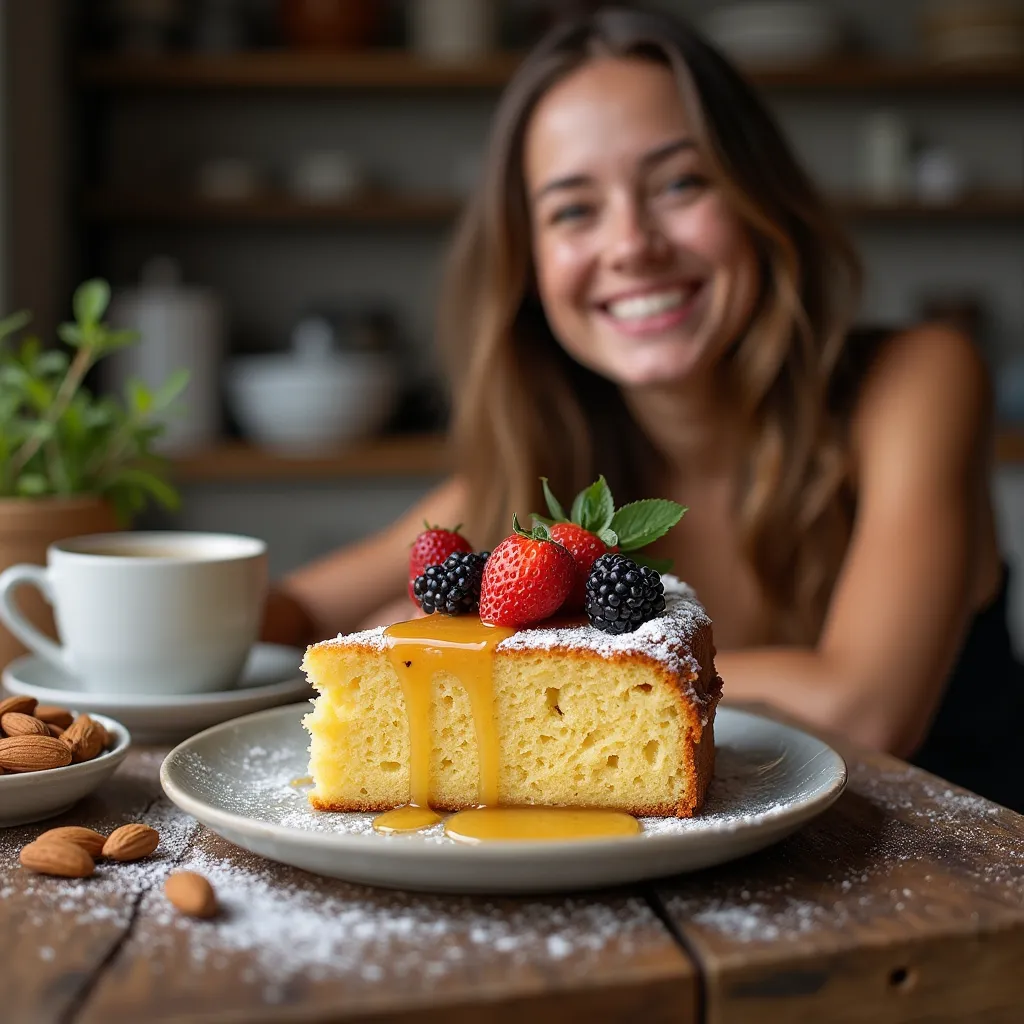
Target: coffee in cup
{"type": "Point", "coordinates": [162, 612]}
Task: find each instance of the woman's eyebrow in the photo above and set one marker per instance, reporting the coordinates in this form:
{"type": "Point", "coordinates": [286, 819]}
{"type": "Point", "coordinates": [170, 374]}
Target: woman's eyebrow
{"type": "Point", "coordinates": [654, 156]}
{"type": "Point", "coordinates": [662, 152]}
{"type": "Point", "coordinates": [570, 181]}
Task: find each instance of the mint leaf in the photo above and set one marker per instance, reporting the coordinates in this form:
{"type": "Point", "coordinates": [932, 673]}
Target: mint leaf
{"type": "Point", "coordinates": [554, 507]}
{"type": "Point", "coordinates": [594, 507]}
{"type": "Point", "coordinates": [610, 537]}
{"type": "Point", "coordinates": [641, 522]}
{"type": "Point", "coordinates": [662, 565]}
{"type": "Point", "coordinates": [90, 301]}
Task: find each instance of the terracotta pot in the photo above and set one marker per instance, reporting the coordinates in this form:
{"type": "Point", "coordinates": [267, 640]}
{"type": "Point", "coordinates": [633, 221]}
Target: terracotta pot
{"type": "Point", "coordinates": [327, 24]}
{"type": "Point", "coordinates": [28, 526]}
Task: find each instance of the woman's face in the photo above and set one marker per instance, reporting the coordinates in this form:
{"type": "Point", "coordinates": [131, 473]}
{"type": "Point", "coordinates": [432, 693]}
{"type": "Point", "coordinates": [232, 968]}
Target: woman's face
{"type": "Point", "coordinates": [645, 274]}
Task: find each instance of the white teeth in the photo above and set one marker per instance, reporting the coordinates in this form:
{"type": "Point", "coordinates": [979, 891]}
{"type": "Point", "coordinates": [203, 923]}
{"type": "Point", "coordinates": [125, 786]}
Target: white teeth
{"type": "Point", "coordinates": [640, 306]}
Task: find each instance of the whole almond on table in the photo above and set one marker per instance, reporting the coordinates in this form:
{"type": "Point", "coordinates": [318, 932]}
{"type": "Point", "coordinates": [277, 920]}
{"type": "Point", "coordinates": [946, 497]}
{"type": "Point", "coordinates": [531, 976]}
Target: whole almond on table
{"type": "Point", "coordinates": [131, 842]}
{"type": "Point", "coordinates": [84, 738]}
{"type": "Point", "coordinates": [52, 715]}
{"type": "Point", "coordinates": [191, 894]}
{"type": "Point", "coordinates": [33, 753]}
{"type": "Point", "coordinates": [16, 723]}
{"type": "Point", "coordinates": [85, 838]}
{"type": "Point", "coordinates": [56, 857]}
{"type": "Point", "coordinates": [23, 705]}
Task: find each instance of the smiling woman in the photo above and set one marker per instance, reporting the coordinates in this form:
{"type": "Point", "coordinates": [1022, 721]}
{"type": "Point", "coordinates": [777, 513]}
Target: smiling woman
{"type": "Point", "coordinates": [646, 285]}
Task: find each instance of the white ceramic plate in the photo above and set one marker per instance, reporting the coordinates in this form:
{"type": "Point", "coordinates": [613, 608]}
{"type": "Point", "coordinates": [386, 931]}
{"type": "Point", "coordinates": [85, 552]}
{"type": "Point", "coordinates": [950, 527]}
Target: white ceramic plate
{"type": "Point", "coordinates": [238, 779]}
{"type": "Point", "coordinates": [271, 677]}
{"type": "Point", "coordinates": [33, 796]}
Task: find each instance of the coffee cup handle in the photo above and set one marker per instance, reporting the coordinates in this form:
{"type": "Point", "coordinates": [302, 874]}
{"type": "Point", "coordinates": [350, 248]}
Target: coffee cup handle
{"type": "Point", "coordinates": [10, 581]}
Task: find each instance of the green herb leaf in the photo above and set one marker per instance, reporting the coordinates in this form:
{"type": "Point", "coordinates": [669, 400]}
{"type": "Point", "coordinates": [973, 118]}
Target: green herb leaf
{"type": "Point", "coordinates": [539, 532]}
{"type": "Point", "coordinates": [31, 485]}
{"type": "Point", "coordinates": [90, 301]}
{"type": "Point", "coordinates": [72, 334]}
{"type": "Point", "coordinates": [593, 507]}
{"type": "Point", "coordinates": [609, 536]}
{"type": "Point", "coordinates": [554, 506]}
{"type": "Point", "coordinates": [171, 389]}
{"type": "Point", "coordinates": [537, 518]}
{"type": "Point", "coordinates": [140, 398]}
{"type": "Point", "coordinates": [14, 323]}
{"type": "Point", "coordinates": [641, 522]}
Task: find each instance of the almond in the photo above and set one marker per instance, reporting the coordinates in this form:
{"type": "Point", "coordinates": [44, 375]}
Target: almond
{"type": "Point", "coordinates": [23, 705]}
{"type": "Point", "coordinates": [15, 723]}
{"type": "Point", "coordinates": [55, 857]}
{"type": "Point", "coordinates": [85, 838]}
{"type": "Point", "coordinates": [191, 893]}
{"type": "Point", "coordinates": [33, 753]}
{"type": "Point", "coordinates": [84, 738]}
{"type": "Point", "coordinates": [54, 730]}
{"type": "Point", "coordinates": [131, 842]}
{"type": "Point", "coordinates": [52, 715]}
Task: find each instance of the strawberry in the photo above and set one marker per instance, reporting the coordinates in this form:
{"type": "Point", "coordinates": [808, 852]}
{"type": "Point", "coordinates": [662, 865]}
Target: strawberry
{"type": "Point", "coordinates": [432, 547]}
{"type": "Point", "coordinates": [526, 579]}
{"type": "Point", "coordinates": [585, 548]}
{"type": "Point", "coordinates": [594, 527]}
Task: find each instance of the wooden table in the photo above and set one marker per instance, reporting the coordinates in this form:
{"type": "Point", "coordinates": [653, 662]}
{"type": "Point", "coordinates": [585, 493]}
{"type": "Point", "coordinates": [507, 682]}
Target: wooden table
{"type": "Point", "coordinates": [904, 902]}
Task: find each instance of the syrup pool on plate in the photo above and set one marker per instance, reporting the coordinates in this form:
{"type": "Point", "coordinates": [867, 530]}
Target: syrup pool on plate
{"type": "Point", "coordinates": [464, 646]}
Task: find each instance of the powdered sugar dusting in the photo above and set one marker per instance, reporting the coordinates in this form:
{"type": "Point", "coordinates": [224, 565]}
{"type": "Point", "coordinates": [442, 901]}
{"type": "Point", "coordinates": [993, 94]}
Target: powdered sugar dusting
{"type": "Point", "coordinates": [911, 844]}
{"type": "Point", "coordinates": [284, 923]}
{"type": "Point", "coordinates": [665, 639]}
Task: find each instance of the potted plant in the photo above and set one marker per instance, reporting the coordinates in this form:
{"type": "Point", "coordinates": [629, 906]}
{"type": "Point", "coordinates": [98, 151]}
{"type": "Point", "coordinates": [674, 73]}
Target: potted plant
{"type": "Point", "coordinates": [72, 462]}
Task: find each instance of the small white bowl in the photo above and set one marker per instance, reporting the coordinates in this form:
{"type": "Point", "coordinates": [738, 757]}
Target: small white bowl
{"type": "Point", "coordinates": [32, 796]}
{"type": "Point", "coordinates": [305, 405]}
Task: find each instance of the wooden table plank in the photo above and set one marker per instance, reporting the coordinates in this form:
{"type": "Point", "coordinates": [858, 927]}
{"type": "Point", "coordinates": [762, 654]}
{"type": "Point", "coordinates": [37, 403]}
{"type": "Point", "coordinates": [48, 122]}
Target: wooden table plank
{"type": "Point", "coordinates": [904, 902]}
{"type": "Point", "coordinates": [293, 946]}
{"type": "Point", "coordinates": [56, 934]}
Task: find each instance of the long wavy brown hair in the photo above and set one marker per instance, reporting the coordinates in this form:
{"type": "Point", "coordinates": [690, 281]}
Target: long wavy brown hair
{"type": "Point", "coordinates": [524, 409]}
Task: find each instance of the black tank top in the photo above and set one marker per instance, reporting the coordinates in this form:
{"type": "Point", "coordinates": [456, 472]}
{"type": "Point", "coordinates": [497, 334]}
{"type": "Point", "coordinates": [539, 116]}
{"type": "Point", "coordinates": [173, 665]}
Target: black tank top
{"type": "Point", "coordinates": [979, 727]}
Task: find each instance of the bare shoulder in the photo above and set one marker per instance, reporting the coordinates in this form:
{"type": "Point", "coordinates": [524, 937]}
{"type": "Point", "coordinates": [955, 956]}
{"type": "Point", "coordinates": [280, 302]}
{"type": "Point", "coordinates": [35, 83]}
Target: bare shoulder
{"type": "Point", "coordinates": [929, 388]}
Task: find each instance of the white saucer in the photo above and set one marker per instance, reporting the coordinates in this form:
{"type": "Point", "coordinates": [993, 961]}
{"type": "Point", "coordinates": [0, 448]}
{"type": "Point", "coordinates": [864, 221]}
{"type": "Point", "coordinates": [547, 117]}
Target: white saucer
{"type": "Point", "coordinates": [242, 779]}
{"type": "Point", "coordinates": [271, 677]}
{"type": "Point", "coordinates": [33, 796]}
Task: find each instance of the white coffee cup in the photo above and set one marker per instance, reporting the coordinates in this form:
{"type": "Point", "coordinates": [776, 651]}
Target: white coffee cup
{"type": "Point", "coordinates": [146, 612]}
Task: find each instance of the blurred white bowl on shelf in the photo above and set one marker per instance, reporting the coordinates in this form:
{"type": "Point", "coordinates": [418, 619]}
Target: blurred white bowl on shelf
{"type": "Point", "coordinates": [307, 405]}
{"type": "Point", "coordinates": [324, 177]}
{"type": "Point", "coordinates": [765, 33]}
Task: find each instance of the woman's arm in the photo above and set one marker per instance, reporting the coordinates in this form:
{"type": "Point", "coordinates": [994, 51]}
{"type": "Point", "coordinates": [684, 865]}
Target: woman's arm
{"type": "Point", "coordinates": [352, 587]}
{"type": "Point", "coordinates": [920, 550]}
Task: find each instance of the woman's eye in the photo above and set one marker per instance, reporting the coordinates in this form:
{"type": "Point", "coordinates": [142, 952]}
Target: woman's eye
{"type": "Point", "coordinates": [685, 183]}
{"type": "Point", "coordinates": [570, 212]}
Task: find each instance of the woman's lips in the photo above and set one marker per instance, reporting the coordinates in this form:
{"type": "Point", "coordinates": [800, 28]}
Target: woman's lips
{"type": "Point", "coordinates": [651, 312]}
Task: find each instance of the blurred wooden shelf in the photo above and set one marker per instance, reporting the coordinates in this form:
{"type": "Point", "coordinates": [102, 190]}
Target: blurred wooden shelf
{"type": "Point", "coordinates": [289, 69]}
{"type": "Point", "coordinates": [116, 208]}
{"type": "Point", "coordinates": [1010, 445]}
{"type": "Point", "coordinates": [411, 456]}
{"type": "Point", "coordinates": [978, 205]}
{"type": "Point", "coordinates": [398, 69]}
{"type": "Point", "coordinates": [383, 209]}
{"type": "Point", "coordinates": [237, 462]}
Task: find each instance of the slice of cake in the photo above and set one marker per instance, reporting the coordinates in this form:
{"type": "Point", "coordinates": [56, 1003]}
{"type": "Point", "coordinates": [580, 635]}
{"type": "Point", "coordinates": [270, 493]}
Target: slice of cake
{"type": "Point", "coordinates": [453, 713]}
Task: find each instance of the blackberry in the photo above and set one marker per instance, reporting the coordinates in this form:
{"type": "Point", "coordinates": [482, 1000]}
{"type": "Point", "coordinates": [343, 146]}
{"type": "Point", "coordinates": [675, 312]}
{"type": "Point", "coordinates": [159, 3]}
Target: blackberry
{"type": "Point", "coordinates": [622, 595]}
{"type": "Point", "coordinates": [453, 587]}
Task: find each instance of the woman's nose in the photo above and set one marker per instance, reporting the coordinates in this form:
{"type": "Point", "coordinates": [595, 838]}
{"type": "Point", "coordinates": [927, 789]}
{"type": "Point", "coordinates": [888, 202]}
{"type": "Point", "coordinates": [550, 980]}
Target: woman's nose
{"type": "Point", "coordinates": [634, 238]}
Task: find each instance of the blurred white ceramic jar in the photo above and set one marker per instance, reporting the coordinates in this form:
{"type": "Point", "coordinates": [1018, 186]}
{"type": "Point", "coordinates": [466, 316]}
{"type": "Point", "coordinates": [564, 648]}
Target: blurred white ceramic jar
{"type": "Point", "coordinates": [452, 29]}
{"type": "Point", "coordinates": [182, 326]}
